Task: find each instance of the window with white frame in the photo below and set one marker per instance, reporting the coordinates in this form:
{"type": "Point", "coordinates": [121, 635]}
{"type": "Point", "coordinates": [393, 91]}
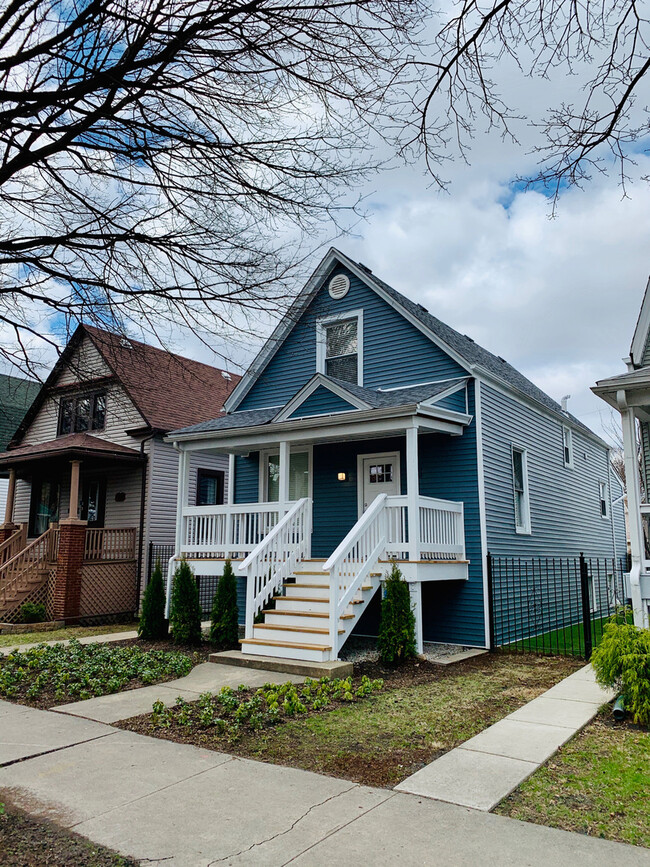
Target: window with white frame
{"type": "Point", "coordinates": [602, 496]}
{"type": "Point", "coordinates": [520, 485]}
{"type": "Point", "coordinates": [298, 476]}
{"type": "Point", "coordinates": [567, 446]}
{"type": "Point", "coordinates": [340, 347]}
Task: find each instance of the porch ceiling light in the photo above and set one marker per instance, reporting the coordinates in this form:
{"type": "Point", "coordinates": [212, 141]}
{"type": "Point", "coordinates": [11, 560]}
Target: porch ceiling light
{"type": "Point", "coordinates": [342, 477]}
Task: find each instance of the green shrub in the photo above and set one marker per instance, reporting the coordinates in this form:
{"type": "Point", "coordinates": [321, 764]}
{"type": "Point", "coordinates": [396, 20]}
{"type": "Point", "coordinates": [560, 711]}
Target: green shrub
{"type": "Point", "coordinates": [224, 631]}
{"type": "Point", "coordinates": [397, 625]}
{"type": "Point", "coordinates": [153, 625]}
{"type": "Point", "coordinates": [32, 612]}
{"type": "Point", "coordinates": [185, 609]}
{"type": "Point", "coordinates": [622, 661]}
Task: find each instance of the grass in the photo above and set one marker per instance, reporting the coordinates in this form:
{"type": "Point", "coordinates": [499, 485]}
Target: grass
{"type": "Point", "coordinates": [422, 711]}
{"type": "Point", "coordinates": [597, 784]}
{"type": "Point", "coordinates": [567, 640]}
{"type": "Point", "coordinates": [16, 639]}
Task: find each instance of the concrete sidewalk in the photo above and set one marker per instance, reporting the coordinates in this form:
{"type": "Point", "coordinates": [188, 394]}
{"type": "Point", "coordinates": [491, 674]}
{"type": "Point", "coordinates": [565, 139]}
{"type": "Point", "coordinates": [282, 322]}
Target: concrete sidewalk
{"type": "Point", "coordinates": [156, 800]}
{"type": "Point", "coordinates": [485, 769]}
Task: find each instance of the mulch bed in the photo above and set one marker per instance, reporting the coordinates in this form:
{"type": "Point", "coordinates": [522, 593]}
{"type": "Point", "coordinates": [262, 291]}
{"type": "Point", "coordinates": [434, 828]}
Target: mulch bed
{"type": "Point", "coordinates": [26, 841]}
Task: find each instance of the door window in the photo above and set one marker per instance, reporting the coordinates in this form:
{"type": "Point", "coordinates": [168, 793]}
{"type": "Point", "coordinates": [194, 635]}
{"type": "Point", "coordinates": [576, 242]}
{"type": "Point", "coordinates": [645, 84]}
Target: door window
{"type": "Point", "coordinates": [380, 476]}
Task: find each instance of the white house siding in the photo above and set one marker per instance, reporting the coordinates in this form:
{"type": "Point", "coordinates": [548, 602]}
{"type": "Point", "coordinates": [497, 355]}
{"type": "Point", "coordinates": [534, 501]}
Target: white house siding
{"type": "Point", "coordinates": [4, 484]}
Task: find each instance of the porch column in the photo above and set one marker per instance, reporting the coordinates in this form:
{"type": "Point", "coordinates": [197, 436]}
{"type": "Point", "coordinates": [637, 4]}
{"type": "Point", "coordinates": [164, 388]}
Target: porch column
{"type": "Point", "coordinates": [74, 490]}
{"type": "Point", "coordinates": [415, 590]}
{"type": "Point", "coordinates": [413, 492]}
{"type": "Point", "coordinates": [231, 479]}
{"type": "Point", "coordinates": [283, 492]}
{"type": "Point", "coordinates": [633, 509]}
{"type": "Point", "coordinates": [69, 564]}
{"type": "Point", "coordinates": [11, 495]}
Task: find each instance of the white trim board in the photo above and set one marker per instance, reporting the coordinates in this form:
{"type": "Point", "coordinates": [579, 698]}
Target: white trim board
{"type": "Point", "coordinates": [641, 330]}
{"type": "Point", "coordinates": [307, 390]}
{"type": "Point", "coordinates": [321, 339]}
{"type": "Point", "coordinates": [482, 509]}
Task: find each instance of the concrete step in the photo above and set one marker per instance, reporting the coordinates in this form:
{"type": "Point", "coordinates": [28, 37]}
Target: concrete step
{"type": "Point", "coordinates": [300, 667]}
{"type": "Point", "coordinates": [286, 649]}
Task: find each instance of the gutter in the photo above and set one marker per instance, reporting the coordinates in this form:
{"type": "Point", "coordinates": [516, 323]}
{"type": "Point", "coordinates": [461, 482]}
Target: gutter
{"type": "Point", "coordinates": [143, 489]}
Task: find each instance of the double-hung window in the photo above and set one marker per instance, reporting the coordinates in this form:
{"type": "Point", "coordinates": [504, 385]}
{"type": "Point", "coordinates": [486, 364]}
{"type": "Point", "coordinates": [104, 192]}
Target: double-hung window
{"type": "Point", "coordinates": [520, 485]}
{"type": "Point", "coordinates": [83, 412]}
{"type": "Point", "coordinates": [567, 446]}
{"type": "Point", "coordinates": [340, 347]}
{"type": "Point", "coordinates": [602, 496]}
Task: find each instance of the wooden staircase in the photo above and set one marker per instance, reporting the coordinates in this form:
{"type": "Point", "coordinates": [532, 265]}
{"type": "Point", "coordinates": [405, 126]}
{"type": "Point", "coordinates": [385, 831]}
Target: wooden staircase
{"type": "Point", "coordinates": [23, 578]}
{"type": "Point", "coordinates": [298, 627]}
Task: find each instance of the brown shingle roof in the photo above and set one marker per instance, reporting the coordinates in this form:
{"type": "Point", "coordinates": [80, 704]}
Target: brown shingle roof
{"type": "Point", "coordinates": [78, 443]}
{"type": "Point", "coordinates": [169, 391]}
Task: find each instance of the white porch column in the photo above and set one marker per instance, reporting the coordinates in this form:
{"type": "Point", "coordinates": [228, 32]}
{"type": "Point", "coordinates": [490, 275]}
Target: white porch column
{"type": "Point", "coordinates": [231, 479]}
{"type": "Point", "coordinates": [181, 501]}
{"type": "Point", "coordinates": [415, 590]}
{"type": "Point", "coordinates": [283, 492]}
{"type": "Point", "coordinates": [633, 510]}
{"type": "Point", "coordinates": [11, 495]}
{"type": "Point", "coordinates": [413, 492]}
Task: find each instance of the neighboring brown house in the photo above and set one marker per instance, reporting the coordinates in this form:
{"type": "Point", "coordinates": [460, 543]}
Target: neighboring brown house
{"type": "Point", "coordinates": [96, 428]}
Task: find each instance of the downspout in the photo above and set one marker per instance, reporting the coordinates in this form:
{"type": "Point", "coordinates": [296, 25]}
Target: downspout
{"type": "Point", "coordinates": [143, 491]}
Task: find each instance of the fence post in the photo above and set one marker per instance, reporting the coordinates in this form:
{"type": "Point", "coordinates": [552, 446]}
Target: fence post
{"type": "Point", "coordinates": [490, 593]}
{"type": "Point", "coordinates": [586, 611]}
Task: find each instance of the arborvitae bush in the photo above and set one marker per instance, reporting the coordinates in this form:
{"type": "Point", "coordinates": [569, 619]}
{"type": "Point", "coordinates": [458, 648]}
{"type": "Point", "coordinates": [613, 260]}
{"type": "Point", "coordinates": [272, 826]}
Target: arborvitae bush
{"type": "Point", "coordinates": [185, 609]}
{"type": "Point", "coordinates": [153, 625]}
{"type": "Point", "coordinates": [622, 662]}
{"type": "Point", "coordinates": [224, 631]}
{"type": "Point", "coordinates": [397, 625]}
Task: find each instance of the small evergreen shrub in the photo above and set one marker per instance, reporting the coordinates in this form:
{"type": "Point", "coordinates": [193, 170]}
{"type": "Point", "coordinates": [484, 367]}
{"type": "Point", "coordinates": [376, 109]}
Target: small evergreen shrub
{"type": "Point", "coordinates": [185, 609]}
{"type": "Point", "coordinates": [153, 625]}
{"type": "Point", "coordinates": [397, 624]}
{"type": "Point", "coordinates": [32, 612]}
{"type": "Point", "coordinates": [622, 661]}
{"type": "Point", "coordinates": [224, 631]}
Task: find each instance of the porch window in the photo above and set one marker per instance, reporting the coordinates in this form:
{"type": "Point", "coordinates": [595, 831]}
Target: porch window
{"type": "Point", "coordinates": [298, 477]}
{"type": "Point", "coordinates": [567, 446]}
{"type": "Point", "coordinates": [85, 412]}
{"type": "Point", "coordinates": [520, 483]}
{"type": "Point", "coordinates": [602, 496]}
{"type": "Point", "coordinates": [209, 487]}
{"type": "Point", "coordinates": [339, 341]}
{"type": "Point", "coordinates": [44, 506]}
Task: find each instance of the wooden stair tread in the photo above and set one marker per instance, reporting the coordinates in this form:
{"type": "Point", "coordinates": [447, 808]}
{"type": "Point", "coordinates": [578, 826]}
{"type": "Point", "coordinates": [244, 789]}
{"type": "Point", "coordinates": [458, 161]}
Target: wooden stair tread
{"type": "Point", "coordinates": [293, 613]}
{"type": "Point", "coordinates": [265, 642]}
{"type": "Point", "coordinates": [288, 628]}
{"type": "Point", "coordinates": [303, 598]}
{"type": "Point", "coordinates": [302, 572]}
{"type": "Point", "coordinates": [320, 586]}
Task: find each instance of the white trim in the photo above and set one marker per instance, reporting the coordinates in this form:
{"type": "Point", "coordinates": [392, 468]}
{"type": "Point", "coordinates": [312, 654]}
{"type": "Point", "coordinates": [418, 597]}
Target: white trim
{"type": "Point", "coordinates": [567, 444]}
{"type": "Point", "coordinates": [262, 469]}
{"type": "Point", "coordinates": [432, 401]}
{"type": "Point", "coordinates": [604, 498]}
{"type": "Point", "coordinates": [375, 456]}
{"type": "Point", "coordinates": [422, 384]}
{"type": "Point", "coordinates": [318, 380]}
{"type": "Point", "coordinates": [322, 324]}
{"type": "Point", "coordinates": [640, 338]}
{"type": "Point", "coordinates": [482, 511]}
{"type": "Point", "coordinates": [524, 529]}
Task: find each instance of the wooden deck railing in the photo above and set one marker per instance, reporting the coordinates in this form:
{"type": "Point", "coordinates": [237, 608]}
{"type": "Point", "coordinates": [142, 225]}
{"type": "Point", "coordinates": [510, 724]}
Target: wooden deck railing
{"type": "Point", "coordinates": [109, 543]}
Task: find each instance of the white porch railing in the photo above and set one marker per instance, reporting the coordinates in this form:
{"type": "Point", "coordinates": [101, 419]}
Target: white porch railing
{"type": "Point", "coordinates": [226, 531]}
{"type": "Point", "coordinates": [273, 560]}
{"type": "Point", "coordinates": [441, 531]}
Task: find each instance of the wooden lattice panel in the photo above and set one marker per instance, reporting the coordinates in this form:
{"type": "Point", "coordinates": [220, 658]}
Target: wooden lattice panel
{"type": "Point", "coordinates": [37, 594]}
{"type": "Point", "coordinates": [108, 588]}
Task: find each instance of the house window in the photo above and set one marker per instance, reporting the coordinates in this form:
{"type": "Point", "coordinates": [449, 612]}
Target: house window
{"type": "Point", "coordinates": [209, 487]}
{"type": "Point", "coordinates": [602, 496]}
{"type": "Point", "coordinates": [567, 446]}
{"type": "Point", "coordinates": [298, 477]}
{"type": "Point", "coordinates": [520, 484]}
{"type": "Point", "coordinates": [44, 506]}
{"type": "Point", "coordinates": [84, 412]}
{"type": "Point", "coordinates": [339, 342]}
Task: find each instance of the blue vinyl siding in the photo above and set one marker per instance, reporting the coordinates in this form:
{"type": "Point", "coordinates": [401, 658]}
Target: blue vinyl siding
{"type": "Point", "coordinates": [247, 478]}
{"type": "Point", "coordinates": [395, 352]}
{"type": "Point", "coordinates": [564, 502]}
{"type": "Point", "coordinates": [322, 402]}
{"type": "Point", "coordinates": [455, 401]}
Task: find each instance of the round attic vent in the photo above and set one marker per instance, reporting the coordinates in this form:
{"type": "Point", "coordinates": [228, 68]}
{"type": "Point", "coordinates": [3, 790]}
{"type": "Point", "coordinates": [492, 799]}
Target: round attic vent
{"type": "Point", "coordinates": [339, 286]}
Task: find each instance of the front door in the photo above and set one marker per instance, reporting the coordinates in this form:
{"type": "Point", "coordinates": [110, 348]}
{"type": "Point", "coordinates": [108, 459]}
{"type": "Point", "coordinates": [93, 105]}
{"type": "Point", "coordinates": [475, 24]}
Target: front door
{"type": "Point", "coordinates": [93, 502]}
{"type": "Point", "coordinates": [379, 475]}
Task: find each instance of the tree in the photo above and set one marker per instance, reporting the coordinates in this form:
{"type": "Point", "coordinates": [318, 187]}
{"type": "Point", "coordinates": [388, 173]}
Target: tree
{"type": "Point", "coordinates": [185, 609]}
{"type": "Point", "coordinates": [162, 161]}
{"type": "Point", "coordinates": [224, 631]}
{"type": "Point", "coordinates": [604, 45]}
{"type": "Point", "coordinates": [396, 640]}
{"type": "Point", "coordinates": [152, 625]}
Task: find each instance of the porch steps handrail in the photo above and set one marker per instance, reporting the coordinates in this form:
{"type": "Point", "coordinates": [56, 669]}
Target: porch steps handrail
{"type": "Point", "coordinates": [18, 573]}
{"type": "Point", "coordinates": [353, 561]}
{"type": "Point", "coordinates": [275, 557]}
{"type": "Point", "coordinates": [13, 545]}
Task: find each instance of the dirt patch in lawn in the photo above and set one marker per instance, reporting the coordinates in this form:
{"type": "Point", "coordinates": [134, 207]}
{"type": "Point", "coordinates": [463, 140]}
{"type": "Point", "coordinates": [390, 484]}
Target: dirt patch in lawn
{"type": "Point", "coordinates": [423, 711]}
{"type": "Point", "coordinates": [598, 784]}
{"type": "Point", "coordinates": [26, 841]}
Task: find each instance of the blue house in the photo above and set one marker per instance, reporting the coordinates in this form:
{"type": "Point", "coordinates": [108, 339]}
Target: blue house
{"type": "Point", "coordinates": [367, 430]}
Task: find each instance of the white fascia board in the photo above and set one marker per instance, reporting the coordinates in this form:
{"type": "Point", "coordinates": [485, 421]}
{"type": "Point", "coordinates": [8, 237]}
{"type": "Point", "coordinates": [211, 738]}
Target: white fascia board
{"type": "Point", "coordinates": [640, 338]}
{"type": "Point", "coordinates": [496, 382]}
{"type": "Point", "coordinates": [420, 384]}
{"type": "Point", "coordinates": [436, 412]}
{"type": "Point", "coordinates": [432, 401]}
{"type": "Point", "coordinates": [307, 390]}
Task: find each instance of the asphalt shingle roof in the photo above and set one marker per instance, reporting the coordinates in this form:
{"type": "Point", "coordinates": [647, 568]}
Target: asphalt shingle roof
{"type": "Point", "coordinates": [16, 396]}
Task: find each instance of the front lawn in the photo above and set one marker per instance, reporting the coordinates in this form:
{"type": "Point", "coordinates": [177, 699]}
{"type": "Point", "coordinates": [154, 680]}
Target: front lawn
{"type": "Point", "coordinates": [57, 674]}
{"type": "Point", "coordinates": [17, 638]}
{"type": "Point", "coordinates": [597, 784]}
{"type": "Point", "coordinates": [422, 711]}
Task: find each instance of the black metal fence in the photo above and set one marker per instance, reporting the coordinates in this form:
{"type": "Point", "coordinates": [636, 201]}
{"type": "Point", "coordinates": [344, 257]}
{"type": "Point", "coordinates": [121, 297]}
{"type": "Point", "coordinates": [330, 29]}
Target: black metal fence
{"type": "Point", "coordinates": [553, 605]}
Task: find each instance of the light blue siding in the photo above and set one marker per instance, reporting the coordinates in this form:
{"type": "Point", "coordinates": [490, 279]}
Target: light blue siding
{"type": "Point", "coordinates": [247, 479]}
{"type": "Point", "coordinates": [395, 352]}
{"type": "Point", "coordinates": [322, 402]}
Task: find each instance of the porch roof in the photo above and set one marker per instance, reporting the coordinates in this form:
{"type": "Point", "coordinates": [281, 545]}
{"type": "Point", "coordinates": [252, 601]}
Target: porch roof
{"type": "Point", "coordinates": [635, 388]}
{"type": "Point", "coordinates": [71, 447]}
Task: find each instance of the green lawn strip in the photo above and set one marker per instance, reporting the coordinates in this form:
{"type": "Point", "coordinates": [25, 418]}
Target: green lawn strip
{"type": "Point", "coordinates": [597, 784]}
{"type": "Point", "coordinates": [16, 639]}
{"type": "Point", "coordinates": [568, 640]}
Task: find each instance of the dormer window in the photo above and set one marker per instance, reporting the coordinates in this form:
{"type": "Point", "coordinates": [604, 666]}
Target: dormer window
{"type": "Point", "coordinates": [83, 412]}
{"type": "Point", "coordinates": [340, 342]}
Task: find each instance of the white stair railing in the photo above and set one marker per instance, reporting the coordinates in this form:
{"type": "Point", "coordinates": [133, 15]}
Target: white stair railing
{"type": "Point", "coordinates": [353, 560]}
{"type": "Point", "coordinates": [273, 560]}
